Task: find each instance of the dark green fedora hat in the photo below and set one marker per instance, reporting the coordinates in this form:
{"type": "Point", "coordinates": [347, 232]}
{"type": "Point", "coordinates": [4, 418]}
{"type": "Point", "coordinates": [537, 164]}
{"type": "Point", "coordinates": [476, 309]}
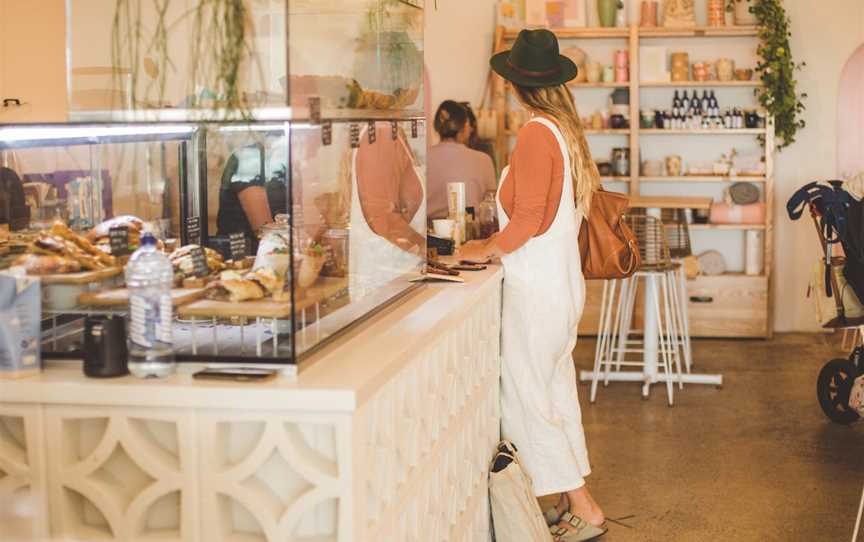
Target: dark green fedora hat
{"type": "Point", "coordinates": [534, 61]}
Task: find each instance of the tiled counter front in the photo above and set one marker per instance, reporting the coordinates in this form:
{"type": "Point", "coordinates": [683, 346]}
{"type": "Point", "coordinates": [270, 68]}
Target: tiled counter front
{"type": "Point", "coordinates": [401, 457]}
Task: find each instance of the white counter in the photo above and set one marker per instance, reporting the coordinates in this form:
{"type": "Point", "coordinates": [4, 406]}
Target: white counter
{"type": "Point", "coordinates": [385, 436]}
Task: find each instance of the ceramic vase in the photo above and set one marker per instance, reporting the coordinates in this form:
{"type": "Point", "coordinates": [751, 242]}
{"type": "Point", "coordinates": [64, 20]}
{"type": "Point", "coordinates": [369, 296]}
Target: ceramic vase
{"type": "Point", "coordinates": [649, 14]}
{"type": "Point", "coordinates": [725, 69]}
{"type": "Point", "coordinates": [607, 10]}
{"type": "Point", "coordinates": [716, 13]}
{"type": "Point", "coordinates": [743, 17]}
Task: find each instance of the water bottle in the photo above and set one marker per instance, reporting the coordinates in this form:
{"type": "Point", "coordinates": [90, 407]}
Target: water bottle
{"type": "Point", "coordinates": [149, 277]}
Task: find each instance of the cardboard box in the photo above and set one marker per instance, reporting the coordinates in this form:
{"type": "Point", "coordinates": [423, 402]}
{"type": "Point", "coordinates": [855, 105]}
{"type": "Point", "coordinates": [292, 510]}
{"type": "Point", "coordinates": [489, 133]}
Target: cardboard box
{"type": "Point", "coordinates": [20, 324]}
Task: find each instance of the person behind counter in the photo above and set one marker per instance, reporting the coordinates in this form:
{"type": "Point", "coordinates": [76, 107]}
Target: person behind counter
{"type": "Point", "coordinates": [452, 161]}
{"type": "Point", "coordinates": [253, 190]}
{"type": "Point", "coordinates": [546, 191]}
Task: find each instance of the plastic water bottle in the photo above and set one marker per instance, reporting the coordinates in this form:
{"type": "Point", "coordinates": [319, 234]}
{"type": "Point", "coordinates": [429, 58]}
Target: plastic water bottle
{"type": "Point", "coordinates": [149, 277]}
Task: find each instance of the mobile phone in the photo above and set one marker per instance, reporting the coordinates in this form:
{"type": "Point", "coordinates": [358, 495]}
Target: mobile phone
{"type": "Point", "coordinates": [468, 267]}
{"type": "Point", "coordinates": [236, 374]}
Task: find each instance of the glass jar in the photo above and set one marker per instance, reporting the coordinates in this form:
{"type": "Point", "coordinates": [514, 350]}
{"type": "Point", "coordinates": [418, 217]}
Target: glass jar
{"type": "Point", "coordinates": [488, 216]}
{"type": "Point", "coordinates": [274, 250]}
{"type": "Point", "coordinates": [621, 162]}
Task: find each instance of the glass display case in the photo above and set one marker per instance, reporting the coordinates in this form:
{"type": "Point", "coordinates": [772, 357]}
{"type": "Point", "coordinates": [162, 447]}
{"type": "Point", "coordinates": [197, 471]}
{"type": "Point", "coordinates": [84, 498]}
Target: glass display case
{"type": "Point", "coordinates": [303, 188]}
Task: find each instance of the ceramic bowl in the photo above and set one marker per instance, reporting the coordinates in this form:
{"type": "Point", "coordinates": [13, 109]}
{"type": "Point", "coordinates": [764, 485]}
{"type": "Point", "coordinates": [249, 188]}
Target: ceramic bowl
{"type": "Point", "coordinates": [742, 74]}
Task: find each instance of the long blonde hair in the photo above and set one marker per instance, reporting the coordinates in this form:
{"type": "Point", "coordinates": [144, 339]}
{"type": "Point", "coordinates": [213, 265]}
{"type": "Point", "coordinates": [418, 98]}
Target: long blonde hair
{"type": "Point", "coordinates": [558, 103]}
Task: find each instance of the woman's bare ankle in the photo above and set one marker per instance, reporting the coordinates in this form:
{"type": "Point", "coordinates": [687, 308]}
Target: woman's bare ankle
{"type": "Point", "coordinates": [582, 505]}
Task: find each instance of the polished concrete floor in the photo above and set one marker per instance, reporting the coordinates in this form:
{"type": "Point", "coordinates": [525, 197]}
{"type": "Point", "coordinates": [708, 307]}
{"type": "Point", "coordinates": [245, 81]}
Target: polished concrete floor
{"type": "Point", "coordinates": [755, 460]}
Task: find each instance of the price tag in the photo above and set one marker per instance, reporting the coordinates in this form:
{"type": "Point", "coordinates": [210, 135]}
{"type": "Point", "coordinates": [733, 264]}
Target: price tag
{"type": "Point", "coordinates": [237, 242]}
{"type": "Point", "coordinates": [118, 237]}
{"type": "Point", "coordinates": [199, 262]}
{"type": "Point", "coordinates": [394, 130]}
{"type": "Point", "coordinates": [327, 132]}
{"type": "Point", "coordinates": [354, 130]}
{"type": "Point", "coordinates": [371, 131]}
{"type": "Point", "coordinates": [193, 230]}
{"type": "Point", "coordinates": [414, 128]}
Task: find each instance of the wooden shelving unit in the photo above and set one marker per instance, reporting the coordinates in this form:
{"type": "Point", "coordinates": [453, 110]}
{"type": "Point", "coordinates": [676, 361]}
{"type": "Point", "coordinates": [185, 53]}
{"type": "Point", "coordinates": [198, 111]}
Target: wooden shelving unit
{"type": "Point", "coordinates": [699, 84]}
{"type": "Point", "coordinates": [700, 179]}
{"type": "Point", "coordinates": [753, 318]}
{"type": "Point", "coordinates": [741, 131]}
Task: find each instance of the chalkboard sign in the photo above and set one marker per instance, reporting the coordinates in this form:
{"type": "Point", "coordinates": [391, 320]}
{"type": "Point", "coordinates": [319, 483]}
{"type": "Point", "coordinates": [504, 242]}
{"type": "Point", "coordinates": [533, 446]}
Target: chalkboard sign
{"type": "Point", "coordinates": [237, 243]}
{"type": "Point", "coordinates": [199, 262]}
{"type": "Point", "coordinates": [118, 236]}
{"type": "Point", "coordinates": [193, 230]}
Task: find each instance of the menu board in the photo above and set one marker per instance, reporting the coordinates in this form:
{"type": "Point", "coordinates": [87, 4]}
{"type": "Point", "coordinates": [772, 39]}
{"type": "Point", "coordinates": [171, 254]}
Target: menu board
{"type": "Point", "coordinates": [199, 262]}
{"type": "Point", "coordinates": [118, 237]}
{"type": "Point", "coordinates": [237, 244]}
{"type": "Point", "coordinates": [193, 230]}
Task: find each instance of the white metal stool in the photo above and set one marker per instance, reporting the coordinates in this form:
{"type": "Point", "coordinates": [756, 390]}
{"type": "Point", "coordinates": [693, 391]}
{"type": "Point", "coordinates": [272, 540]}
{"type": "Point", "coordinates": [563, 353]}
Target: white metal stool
{"type": "Point", "coordinates": [663, 307]}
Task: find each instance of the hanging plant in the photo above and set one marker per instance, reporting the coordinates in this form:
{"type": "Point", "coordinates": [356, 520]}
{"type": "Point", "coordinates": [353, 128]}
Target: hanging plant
{"type": "Point", "coordinates": [220, 51]}
{"type": "Point", "coordinates": [776, 67]}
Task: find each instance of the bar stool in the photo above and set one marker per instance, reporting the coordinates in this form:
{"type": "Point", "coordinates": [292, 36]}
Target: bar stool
{"type": "Point", "coordinates": [678, 238]}
{"type": "Point", "coordinates": [662, 307]}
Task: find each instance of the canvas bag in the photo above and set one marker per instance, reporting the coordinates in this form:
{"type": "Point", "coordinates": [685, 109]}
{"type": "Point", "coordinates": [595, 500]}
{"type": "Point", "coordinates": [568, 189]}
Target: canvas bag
{"type": "Point", "coordinates": [826, 307]}
{"type": "Point", "coordinates": [516, 515]}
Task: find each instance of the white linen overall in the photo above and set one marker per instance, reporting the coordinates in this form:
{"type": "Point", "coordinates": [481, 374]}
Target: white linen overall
{"type": "Point", "coordinates": [373, 260]}
{"type": "Point", "coordinates": [544, 294]}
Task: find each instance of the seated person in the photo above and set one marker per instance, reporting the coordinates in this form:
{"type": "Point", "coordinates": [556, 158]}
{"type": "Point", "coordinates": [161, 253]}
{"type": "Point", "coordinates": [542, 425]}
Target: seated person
{"type": "Point", "coordinates": [452, 161]}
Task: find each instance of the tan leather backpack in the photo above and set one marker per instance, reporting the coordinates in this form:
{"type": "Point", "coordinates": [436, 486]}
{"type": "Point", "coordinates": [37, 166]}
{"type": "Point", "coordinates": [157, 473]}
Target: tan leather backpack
{"type": "Point", "coordinates": [608, 246]}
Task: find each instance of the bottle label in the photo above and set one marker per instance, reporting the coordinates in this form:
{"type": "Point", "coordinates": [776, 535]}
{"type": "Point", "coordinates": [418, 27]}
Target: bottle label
{"type": "Point", "coordinates": [150, 320]}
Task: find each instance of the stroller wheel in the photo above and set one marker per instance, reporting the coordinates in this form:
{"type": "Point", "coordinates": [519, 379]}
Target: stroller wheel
{"type": "Point", "coordinates": [833, 388]}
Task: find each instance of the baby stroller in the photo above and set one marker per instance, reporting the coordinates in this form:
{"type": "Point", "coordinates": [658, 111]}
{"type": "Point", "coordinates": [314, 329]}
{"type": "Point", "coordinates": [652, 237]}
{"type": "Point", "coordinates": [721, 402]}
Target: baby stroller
{"type": "Point", "coordinates": [839, 223]}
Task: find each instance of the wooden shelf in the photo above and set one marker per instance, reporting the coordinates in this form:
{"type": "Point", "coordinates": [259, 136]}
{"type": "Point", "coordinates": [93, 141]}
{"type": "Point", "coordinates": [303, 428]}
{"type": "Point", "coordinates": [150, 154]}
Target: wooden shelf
{"type": "Point", "coordinates": [740, 131]}
{"type": "Point", "coordinates": [610, 131]}
{"type": "Point", "coordinates": [700, 32]}
{"type": "Point", "coordinates": [579, 33]}
{"type": "Point", "coordinates": [658, 32]}
{"type": "Point", "coordinates": [699, 84]}
{"type": "Point", "coordinates": [702, 179]}
{"type": "Point", "coordinates": [670, 202]}
{"type": "Point", "coordinates": [615, 179]}
{"type": "Point", "coordinates": [625, 84]}
{"type": "Point", "coordinates": [726, 226]}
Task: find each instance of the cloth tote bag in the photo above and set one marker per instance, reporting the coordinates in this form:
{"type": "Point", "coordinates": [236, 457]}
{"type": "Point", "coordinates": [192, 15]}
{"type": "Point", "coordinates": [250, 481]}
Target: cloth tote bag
{"type": "Point", "coordinates": [516, 515]}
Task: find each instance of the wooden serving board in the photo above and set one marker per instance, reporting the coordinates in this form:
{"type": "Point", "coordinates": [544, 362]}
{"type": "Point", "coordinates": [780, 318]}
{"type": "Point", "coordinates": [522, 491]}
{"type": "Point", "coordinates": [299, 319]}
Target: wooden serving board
{"type": "Point", "coordinates": [83, 277]}
{"type": "Point", "coordinates": [324, 288]}
{"type": "Point", "coordinates": [120, 297]}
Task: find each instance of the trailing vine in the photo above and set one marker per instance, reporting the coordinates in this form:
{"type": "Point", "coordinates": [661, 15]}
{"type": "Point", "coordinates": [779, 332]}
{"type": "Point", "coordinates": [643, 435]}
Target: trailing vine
{"type": "Point", "coordinates": [219, 49]}
{"type": "Point", "coordinates": [776, 67]}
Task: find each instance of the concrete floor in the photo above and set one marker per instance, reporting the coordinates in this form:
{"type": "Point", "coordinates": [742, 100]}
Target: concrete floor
{"type": "Point", "coordinates": [754, 461]}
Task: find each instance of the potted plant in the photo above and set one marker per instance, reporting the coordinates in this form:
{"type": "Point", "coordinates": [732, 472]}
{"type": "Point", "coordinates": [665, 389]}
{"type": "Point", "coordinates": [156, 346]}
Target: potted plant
{"type": "Point", "coordinates": [778, 93]}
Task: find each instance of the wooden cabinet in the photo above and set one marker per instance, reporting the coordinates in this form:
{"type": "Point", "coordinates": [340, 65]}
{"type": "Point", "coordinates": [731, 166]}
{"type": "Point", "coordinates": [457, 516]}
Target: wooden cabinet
{"type": "Point", "coordinates": [33, 60]}
{"type": "Point", "coordinates": [728, 306]}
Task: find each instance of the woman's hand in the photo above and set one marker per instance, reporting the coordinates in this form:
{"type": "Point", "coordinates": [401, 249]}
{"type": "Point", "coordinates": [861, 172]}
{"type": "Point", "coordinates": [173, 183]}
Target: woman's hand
{"type": "Point", "coordinates": [477, 251]}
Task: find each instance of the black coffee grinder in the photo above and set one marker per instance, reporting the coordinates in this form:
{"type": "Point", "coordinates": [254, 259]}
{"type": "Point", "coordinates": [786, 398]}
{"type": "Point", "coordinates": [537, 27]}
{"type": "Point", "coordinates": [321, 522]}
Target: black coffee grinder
{"type": "Point", "coordinates": [105, 352]}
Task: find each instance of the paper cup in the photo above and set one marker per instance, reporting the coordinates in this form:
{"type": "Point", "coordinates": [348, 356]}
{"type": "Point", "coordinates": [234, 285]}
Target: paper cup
{"type": "Point", "coordinates": [443, 228]}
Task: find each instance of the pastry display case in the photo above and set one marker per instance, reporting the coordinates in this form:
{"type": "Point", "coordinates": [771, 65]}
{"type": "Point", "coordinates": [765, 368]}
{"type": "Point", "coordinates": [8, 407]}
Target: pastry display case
{"type": "Point", "coordinates": [291, 202]}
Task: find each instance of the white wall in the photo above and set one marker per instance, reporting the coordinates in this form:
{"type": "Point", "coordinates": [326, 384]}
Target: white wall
{"type": "Point", "coordinates": [458, 44]}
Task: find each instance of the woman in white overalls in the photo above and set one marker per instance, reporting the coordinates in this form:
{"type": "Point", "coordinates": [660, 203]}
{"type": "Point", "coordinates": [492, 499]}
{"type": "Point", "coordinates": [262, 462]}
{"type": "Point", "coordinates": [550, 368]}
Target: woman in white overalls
{"type": "Point", "coordinates": [542, 198]}
{"type": "Point", "coordinates": [388, 214]}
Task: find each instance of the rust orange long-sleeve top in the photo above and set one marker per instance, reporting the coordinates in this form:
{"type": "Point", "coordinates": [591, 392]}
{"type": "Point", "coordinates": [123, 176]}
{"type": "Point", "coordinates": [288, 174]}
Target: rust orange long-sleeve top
{"type": "Point", "coordinates": [389, 190]}
{"type": "Point", "coordinates": [531, 191]}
